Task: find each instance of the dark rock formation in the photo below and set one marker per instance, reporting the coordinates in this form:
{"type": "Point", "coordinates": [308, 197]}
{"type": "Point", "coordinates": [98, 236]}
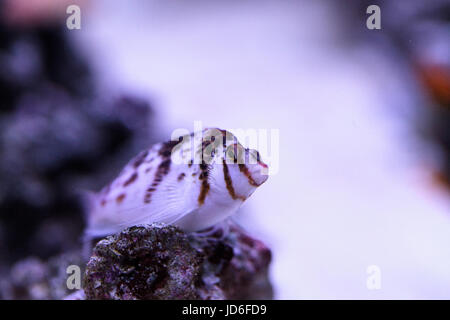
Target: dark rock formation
{"type": "Point", "coordinates": [150, 262]}
{"type": "Point", "coordinates": [59, 134]}
{"type": "Point", "coordinates": [157, 262]}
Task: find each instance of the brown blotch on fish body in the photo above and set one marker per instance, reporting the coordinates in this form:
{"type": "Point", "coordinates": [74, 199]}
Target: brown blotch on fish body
{"type": "Point", "coordinates": [204, 189]}
{"type": "Point", "coordinates": [131, 179]}
{"type": "Point", "coordinates": [140, 159]}
{"type": "Point", "coordinates": [163, 170]}
{"type": "Point", "coordinates": [166, 149]}
{"type": "Point", "coordinates": [181, 176]}
{"type": "Point", "coordinates": [120, 198]}
{"type": "Point", "coordinates": [103, 202]}
{"type": "Point", "coordinates": [229, 183]}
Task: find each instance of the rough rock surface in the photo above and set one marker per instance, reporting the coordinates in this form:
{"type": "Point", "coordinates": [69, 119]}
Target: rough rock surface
{"type": "Point", "coordinates": [162, 262]}
{"type": "Point", "coordinates": [150, 262]}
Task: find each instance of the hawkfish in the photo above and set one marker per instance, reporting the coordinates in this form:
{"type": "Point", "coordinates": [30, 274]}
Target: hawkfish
{"type": "Point", "coordinates": [193, 182]}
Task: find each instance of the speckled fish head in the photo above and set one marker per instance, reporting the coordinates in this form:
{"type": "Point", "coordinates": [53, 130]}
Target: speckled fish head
{"type": "Point", "coordinates": [242, 170]}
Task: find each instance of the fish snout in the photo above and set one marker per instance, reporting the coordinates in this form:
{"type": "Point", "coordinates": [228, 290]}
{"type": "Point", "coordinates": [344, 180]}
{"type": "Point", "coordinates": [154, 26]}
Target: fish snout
{"type": "Point", "coordinates": [259, 172]}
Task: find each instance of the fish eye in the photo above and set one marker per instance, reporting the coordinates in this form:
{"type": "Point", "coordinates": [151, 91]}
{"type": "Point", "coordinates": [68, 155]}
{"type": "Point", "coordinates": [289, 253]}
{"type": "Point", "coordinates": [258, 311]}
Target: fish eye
{"type": "Point", "coordinates": [236, 153]}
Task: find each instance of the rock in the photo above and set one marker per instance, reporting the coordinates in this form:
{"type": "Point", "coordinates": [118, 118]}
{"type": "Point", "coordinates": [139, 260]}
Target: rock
{"type": "Point", "coordinates": [162, 262]}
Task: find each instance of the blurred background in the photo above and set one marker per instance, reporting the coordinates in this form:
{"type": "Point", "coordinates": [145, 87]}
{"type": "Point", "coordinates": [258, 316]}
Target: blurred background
{"type": "Point", "coordinates": [363, 118]}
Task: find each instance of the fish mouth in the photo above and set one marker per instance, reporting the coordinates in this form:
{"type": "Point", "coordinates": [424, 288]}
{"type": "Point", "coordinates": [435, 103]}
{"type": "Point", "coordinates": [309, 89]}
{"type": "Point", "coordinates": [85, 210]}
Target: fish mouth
{"type": "Point", "coordinates": [256, 174]}
{"type": "Point", "coordinates": [260, 173]}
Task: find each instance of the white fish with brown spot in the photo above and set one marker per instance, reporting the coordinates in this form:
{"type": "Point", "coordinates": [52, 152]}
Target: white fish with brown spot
{"type": "Point", "coordinates": [193, 183]}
